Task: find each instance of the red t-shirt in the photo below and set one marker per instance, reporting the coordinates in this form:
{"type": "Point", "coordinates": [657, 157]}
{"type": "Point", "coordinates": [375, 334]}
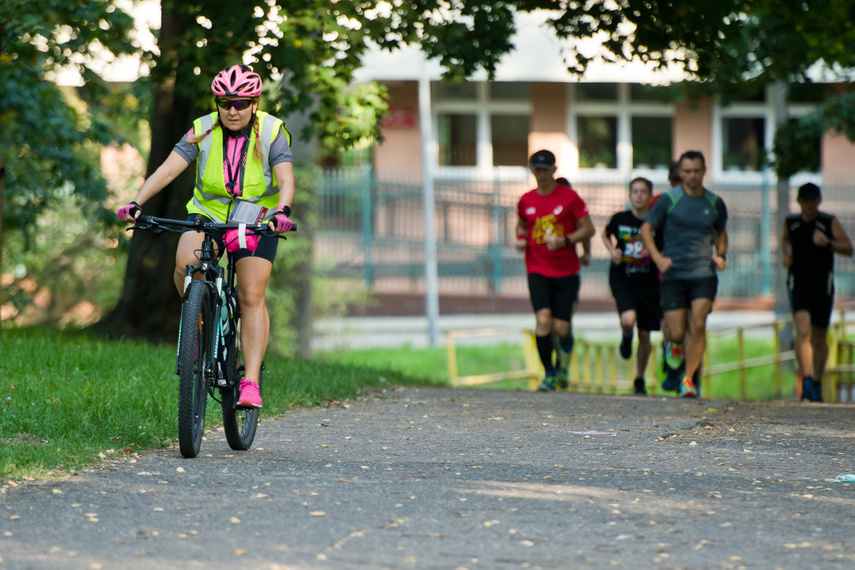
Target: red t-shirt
{"type": "Point", "coordinates": [555, 213]}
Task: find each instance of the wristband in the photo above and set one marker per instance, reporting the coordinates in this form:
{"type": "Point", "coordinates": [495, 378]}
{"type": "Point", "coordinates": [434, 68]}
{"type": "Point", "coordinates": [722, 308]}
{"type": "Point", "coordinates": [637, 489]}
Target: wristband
{"type": "Point", "coordinates": [285, 210]}
{"type": "Point", "coordinates": [567, 241]}
{"type": "Point", "coordinates": [722, 255]}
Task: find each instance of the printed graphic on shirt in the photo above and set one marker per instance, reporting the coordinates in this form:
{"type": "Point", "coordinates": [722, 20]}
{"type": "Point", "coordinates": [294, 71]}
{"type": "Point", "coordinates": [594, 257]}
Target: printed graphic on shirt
{"type": "Point", "coordinates": [635, 257]}
{"type": "Point", "coordinates": [546, 226]}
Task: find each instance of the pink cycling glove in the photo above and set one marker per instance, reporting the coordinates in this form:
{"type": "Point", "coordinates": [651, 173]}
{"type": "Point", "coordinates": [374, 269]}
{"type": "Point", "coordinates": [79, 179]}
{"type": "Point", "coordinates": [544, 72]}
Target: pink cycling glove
{"type": "Point", "coordinates": [281, 223]}
{"type": "Point", "coordinates": [233, 240]}
{"type": "Point", "coordinates": [132, 210]}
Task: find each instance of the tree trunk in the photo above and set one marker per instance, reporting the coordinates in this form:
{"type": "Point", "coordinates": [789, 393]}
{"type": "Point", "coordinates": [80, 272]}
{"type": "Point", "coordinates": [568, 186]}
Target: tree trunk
{"type": "Point", "coordinates": [150, 306]}
{"type": "Point", "coordinates": [300, 277]}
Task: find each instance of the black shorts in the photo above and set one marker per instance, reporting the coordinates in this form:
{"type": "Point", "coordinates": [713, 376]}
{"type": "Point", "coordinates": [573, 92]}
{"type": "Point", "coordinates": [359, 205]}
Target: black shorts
{"type": "Point", "coordinates": [641, 296]}
{"type": "Point", "coordinates": [815, 301]}
{"type": "Point", "coordinates": [555, 293]}
{"type": "Point", "coordinates": [266, 245]}
{"type": "Point", "coordinates": [679, 293]}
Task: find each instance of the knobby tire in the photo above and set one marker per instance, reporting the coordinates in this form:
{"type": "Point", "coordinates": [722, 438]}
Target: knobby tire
{"type": "Point", "coordinates": [239, 423]}
{"type": "Point", "coordinates": [197, 329]}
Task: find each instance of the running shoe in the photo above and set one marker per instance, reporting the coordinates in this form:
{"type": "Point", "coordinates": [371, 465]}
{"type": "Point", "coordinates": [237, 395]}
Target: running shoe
{"type": "Point", "coordinates": [561, 379]}
{"type": "Point", "coordinates": [817, 391]}
{"type": "Point", "coordinates": [548, 384]}
{"type": "Point", "coordinates": [250, 397]}
{"type": "Point", "coordinates": [639, 388]}
{"type": "Point", "coordinates": [662, 370]}
{"type": "Point", "coordinates": [687, 388]}
{"type": "Point", "coordinates": [807, 389]}
{"type": "Point", "coordinates": [673, 377]}
{"type": "Point", "coordinates": [626, 347]}
{"type": "Point", "coordinates": [674, 354]}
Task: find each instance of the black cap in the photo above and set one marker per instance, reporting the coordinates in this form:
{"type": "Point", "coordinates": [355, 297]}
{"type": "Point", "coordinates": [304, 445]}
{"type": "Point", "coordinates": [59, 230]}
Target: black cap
{"type": "Point", "coordinates": [542, 159]}
{"type": "Point", "coordinates": [809, 191]}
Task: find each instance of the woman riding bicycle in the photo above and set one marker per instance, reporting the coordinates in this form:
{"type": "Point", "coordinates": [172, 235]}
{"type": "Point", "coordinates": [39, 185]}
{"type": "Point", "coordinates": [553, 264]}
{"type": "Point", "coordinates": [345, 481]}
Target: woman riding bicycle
{"type": "Point", "coordinates": [256, 182]}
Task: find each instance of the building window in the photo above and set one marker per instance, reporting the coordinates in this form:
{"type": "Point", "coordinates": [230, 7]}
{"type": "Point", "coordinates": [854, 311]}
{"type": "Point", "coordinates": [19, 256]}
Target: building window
{"type": "Point", "coordinates": [650, 93]}
{"type": "Point", "coordinates": [460, 91]}
{"type": "Point", "coordinates": [482, 124]}
{"type": "Point", "coordinates": [457, 136]}
{"type": "Point", "coordinates": [743, 143]}
{"type": "Point", "coordinates": [510, 139]}
{"type": "Point", "coordinates": [596, 92]}
{"type": "Point", "coordinates": [510, 91]}
{"type": "Point", "coordinates": [597, 142]}
{"type": "Point", "coordinates": [622, 126]}
{"type": "Point", "coordinates": [651, 142]}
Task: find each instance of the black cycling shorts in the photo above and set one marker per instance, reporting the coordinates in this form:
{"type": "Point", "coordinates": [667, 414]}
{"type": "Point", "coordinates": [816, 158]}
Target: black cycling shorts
{"type": "Point", "coordinates": [679, 293]}
{"type": "Point", "coordinates": [815, 301]}
{"type": "Point", "coordinates": [558, 294]}
{"type": "Point", "coordinates": [266, 245]}
{"type": "Point", "coordinates": [641, 296]}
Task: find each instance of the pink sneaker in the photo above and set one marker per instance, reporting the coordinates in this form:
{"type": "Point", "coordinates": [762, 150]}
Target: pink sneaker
{"type": "Point", "coordinates": [250, 397]}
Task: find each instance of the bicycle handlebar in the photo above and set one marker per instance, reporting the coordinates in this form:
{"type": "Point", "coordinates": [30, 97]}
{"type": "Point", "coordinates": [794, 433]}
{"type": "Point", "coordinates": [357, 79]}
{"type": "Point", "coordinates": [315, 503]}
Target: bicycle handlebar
{"type": "Point", "coordinates": [160, 225]}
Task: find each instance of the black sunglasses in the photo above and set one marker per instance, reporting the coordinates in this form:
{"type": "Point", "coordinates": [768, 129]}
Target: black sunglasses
{"type": "Point", "coordinates": [239, 104]}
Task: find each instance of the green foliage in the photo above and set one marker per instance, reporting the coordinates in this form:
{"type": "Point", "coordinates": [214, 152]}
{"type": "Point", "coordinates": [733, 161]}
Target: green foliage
{"type": "Point", "coordinates": [795, 142]}
{"type": "Point", "coordinates": [75, 267]}
{"type": "Point", "coordinates": [51, 142]}
{"type": "Point", "coordinates": [68, 396]}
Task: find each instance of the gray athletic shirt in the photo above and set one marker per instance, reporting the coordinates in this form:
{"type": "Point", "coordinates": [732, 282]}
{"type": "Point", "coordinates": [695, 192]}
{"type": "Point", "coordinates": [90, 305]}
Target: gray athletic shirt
{"type": "Point", "coordinates": [688, 225]}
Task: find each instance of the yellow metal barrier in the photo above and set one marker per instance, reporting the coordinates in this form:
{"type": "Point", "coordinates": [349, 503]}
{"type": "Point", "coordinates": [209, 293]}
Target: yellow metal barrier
{"type": "Point", "coordinates": [743, 364]}
{"type": "Point", "coordinates": [477, 379]}
{"type": "Point", "coordinates": [841, 366]}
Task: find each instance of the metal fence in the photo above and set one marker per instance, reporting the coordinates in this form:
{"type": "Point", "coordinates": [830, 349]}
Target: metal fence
{"type": "Point", "coordinates": [373, 230]}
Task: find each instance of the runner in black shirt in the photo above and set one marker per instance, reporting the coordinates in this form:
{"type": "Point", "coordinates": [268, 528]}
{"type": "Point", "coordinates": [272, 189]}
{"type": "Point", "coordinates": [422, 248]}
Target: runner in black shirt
{"type": "Point", "coordinates": [634, 278]}
{"type": "Point", "coordinates": [808, 246]}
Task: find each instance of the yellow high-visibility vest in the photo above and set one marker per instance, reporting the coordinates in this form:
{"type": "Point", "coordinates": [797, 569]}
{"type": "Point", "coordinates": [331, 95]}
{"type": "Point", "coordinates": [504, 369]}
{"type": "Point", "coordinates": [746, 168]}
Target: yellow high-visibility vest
{"type": "Point", "coordinates": [210, 197]}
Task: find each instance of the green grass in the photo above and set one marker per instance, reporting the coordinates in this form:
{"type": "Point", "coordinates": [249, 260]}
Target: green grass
{"type": "Point", "coordinates": [431, 364]}
{"type": "Point", "coordinates": [68, 396]}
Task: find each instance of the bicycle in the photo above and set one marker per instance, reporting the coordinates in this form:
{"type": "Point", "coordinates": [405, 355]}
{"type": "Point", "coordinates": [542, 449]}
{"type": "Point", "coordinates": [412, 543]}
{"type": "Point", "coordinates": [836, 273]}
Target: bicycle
{"type": "Point", "coordinates": [209, 338]}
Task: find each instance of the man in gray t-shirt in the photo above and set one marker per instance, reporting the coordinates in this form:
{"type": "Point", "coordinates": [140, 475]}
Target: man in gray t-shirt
{"type": "Point", "coordinates": [692, 222]}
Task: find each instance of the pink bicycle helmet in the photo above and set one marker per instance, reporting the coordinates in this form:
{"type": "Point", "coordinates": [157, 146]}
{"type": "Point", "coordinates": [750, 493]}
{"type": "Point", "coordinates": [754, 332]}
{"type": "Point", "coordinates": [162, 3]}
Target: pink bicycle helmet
{"type": "Point", "coordinates": [237, 81]}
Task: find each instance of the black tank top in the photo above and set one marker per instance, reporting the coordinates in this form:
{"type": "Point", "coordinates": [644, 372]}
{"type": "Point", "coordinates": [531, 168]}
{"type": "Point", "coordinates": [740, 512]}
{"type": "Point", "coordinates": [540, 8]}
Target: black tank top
{"type": "Point", "coordinates": [813, 266]}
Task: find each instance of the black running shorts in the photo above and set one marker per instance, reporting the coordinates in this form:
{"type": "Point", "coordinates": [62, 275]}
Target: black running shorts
{"type": "Point", "coordinates": [816, 302]}
{"type": "Point", "coordinates": [679, 293]}
{"type": "Point", "coordinates": [555, 293]}
{"type": "Point", "coordinates": [641, 296]}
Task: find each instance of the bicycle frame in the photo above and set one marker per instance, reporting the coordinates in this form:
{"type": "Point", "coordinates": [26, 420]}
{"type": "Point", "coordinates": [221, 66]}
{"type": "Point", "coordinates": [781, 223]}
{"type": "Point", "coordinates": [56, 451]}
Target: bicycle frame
{"type": "Point", "coordinates": [208, 357]}
{"type": "Point", "coordinates": [220, 282]}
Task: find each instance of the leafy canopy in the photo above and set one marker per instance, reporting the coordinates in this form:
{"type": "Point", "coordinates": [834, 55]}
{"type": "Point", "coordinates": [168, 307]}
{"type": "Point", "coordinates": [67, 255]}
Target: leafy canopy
{"type": "Point", "coordinates": [51, 136]}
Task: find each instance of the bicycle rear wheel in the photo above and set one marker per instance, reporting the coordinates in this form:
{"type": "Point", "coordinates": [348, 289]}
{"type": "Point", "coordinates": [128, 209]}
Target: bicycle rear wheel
{"type": "Point", "coordinates": [194, 346]}
{"type": "Point", "coordinates": [239, 423]}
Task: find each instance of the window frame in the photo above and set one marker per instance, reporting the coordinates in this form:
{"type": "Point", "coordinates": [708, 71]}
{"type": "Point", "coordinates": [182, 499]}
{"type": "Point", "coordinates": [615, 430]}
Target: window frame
{"type": "Point", "coordinates": [623, 109]}
{"type": "Point", "coordinates": [753, 110]}
{"type": "Point", "coordinates": [483, 108]}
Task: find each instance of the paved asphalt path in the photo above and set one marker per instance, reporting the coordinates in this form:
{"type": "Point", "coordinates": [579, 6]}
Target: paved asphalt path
{"type": "Point", "coordinates": [443, 478]}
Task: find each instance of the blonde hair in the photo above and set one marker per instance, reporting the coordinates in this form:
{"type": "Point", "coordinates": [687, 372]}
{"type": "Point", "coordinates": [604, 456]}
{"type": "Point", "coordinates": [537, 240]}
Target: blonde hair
{"type": "Point", "coordinates": [259, 154]}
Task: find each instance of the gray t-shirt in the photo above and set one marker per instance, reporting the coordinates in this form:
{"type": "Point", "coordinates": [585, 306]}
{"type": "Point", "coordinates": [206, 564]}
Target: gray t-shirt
{"type": "Point", "coordinates": [688, 226]}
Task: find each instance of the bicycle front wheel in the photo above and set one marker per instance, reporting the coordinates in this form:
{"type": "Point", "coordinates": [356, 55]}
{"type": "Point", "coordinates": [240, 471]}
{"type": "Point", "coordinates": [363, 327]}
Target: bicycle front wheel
{"type": "Point", "coordinates": [194, 347]}
{"type": "Point", "coordinates": [240, 424]}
